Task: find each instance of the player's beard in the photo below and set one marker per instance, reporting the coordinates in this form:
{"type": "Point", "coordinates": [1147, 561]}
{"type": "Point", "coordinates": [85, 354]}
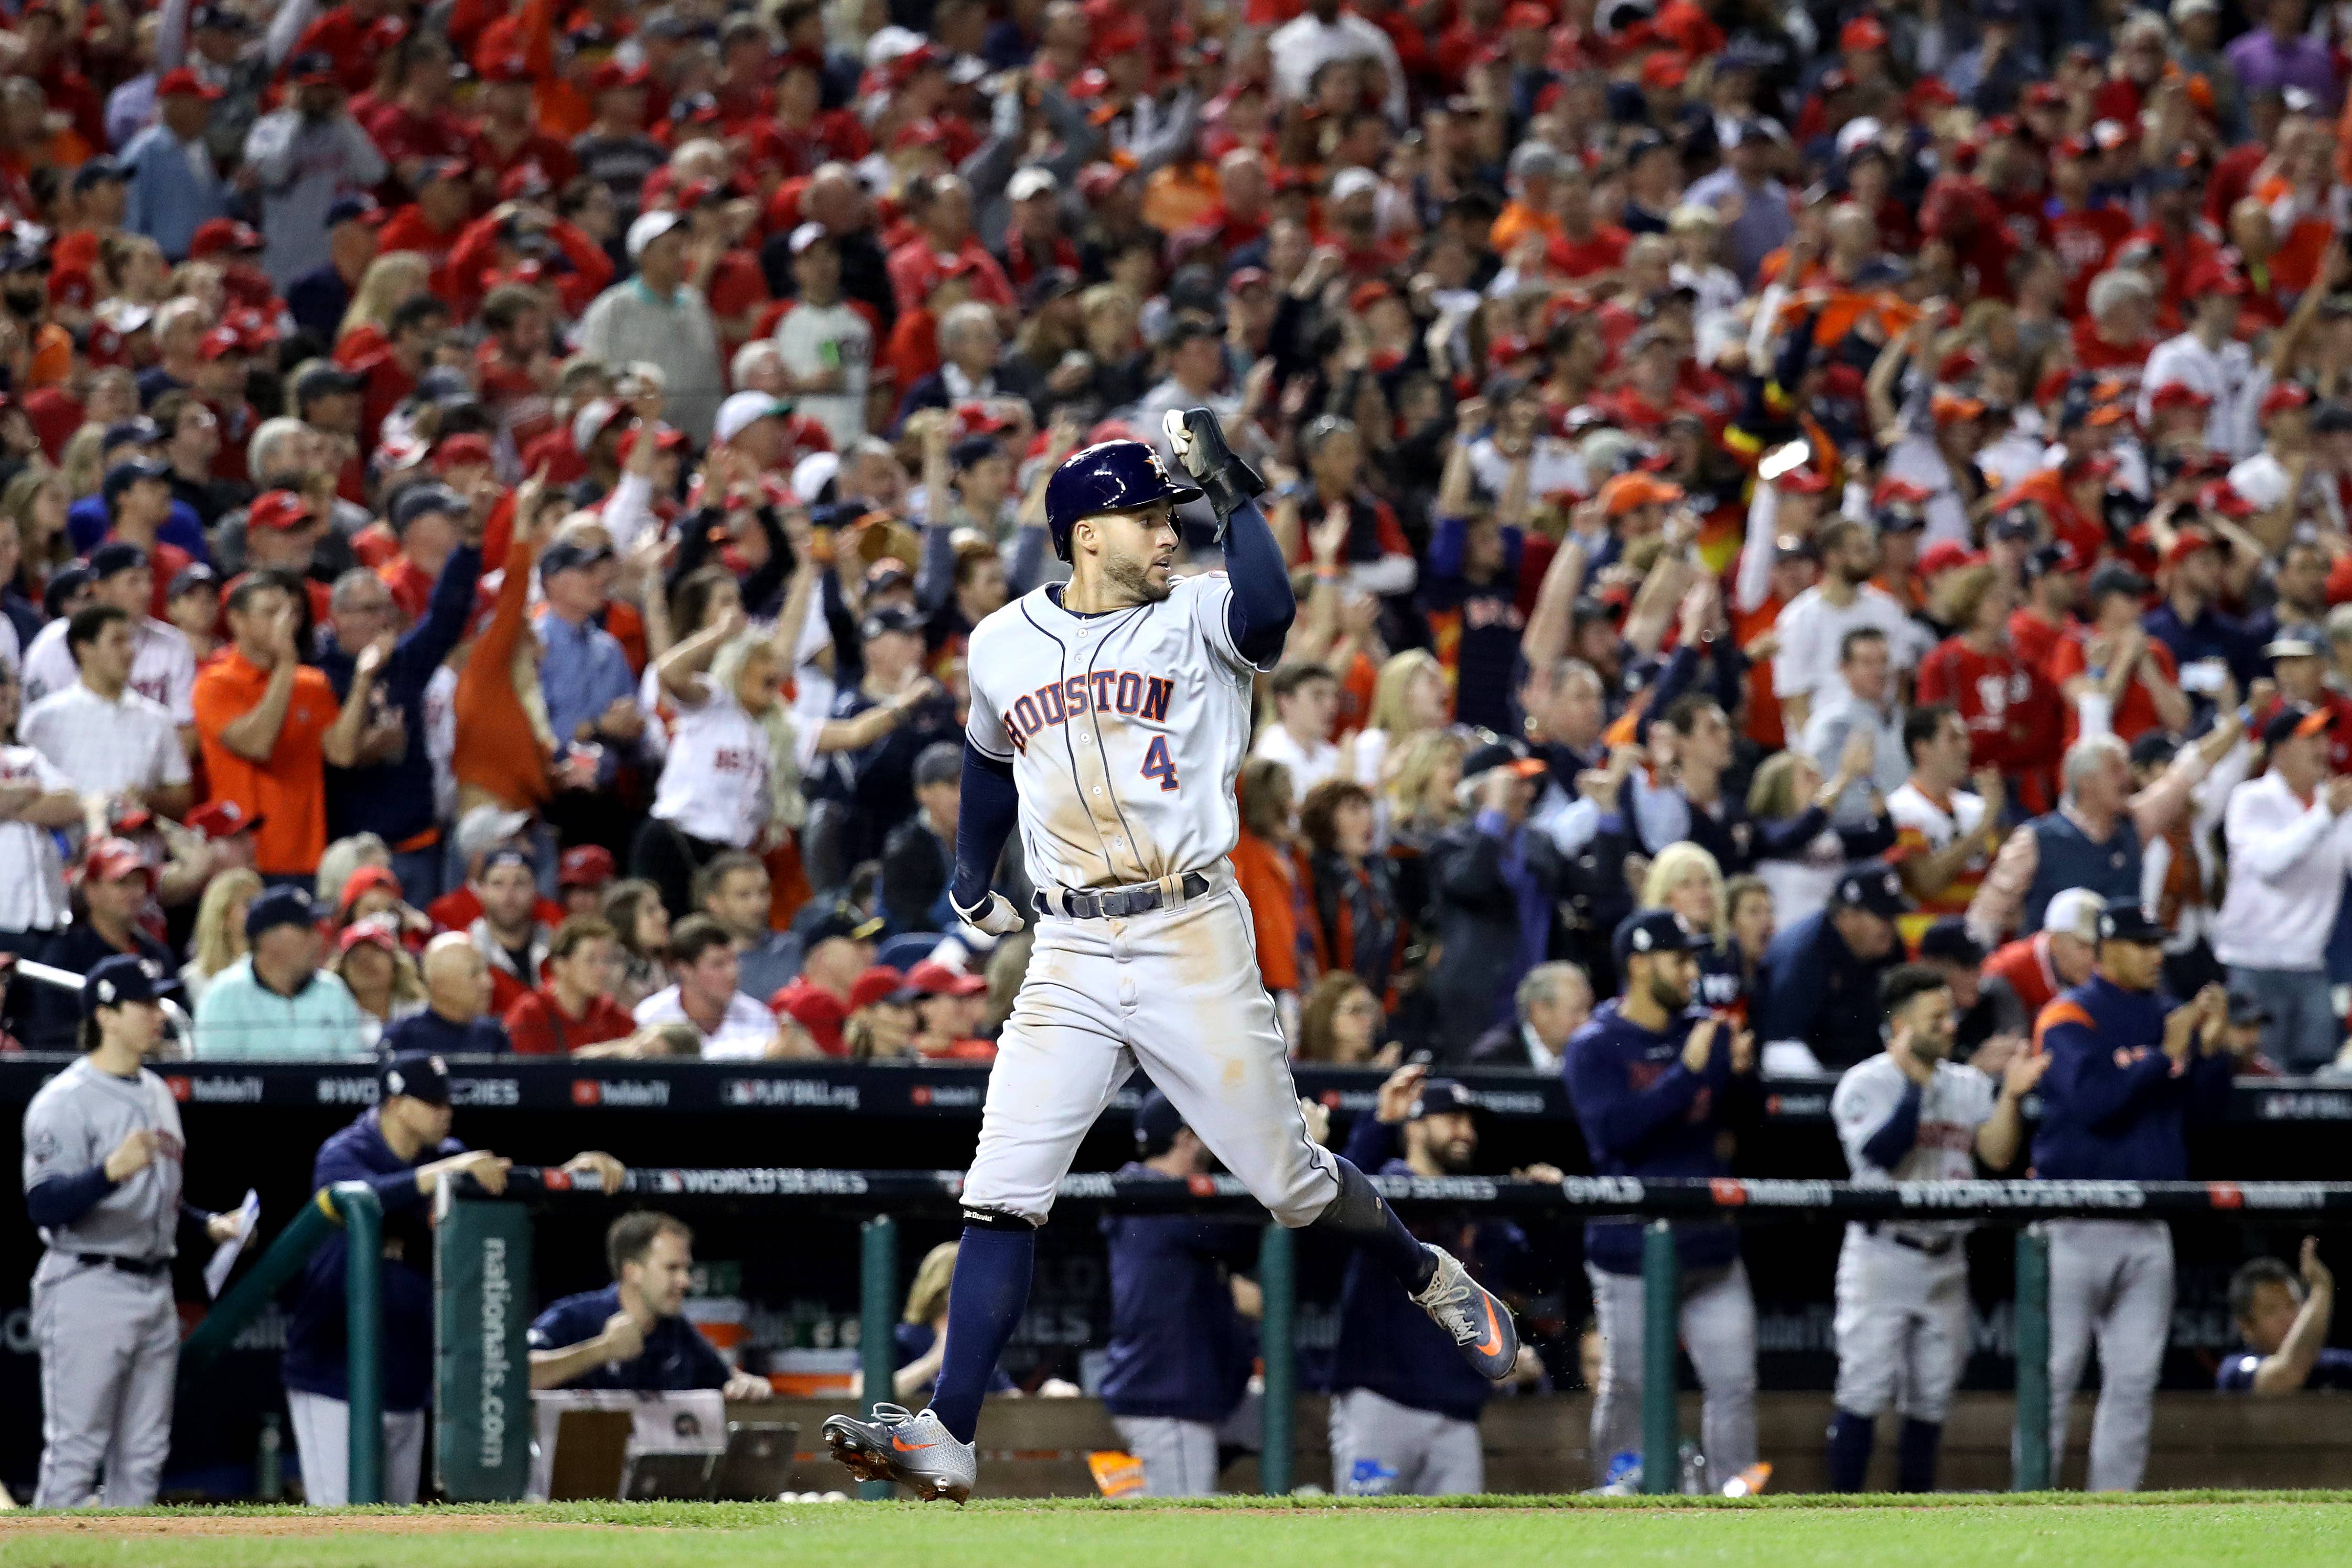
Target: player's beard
{"type": "Point", "coordinates": [1669, 1001]}
{"type": "Point", "coordinates": [1133, 578]}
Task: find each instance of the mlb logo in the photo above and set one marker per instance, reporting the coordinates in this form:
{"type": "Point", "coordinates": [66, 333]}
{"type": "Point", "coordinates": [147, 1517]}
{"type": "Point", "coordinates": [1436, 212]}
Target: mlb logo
{"type": "Point", "coordinates": [180, 1089]}
{"type": "Point", "coordinates": [586, 1092]}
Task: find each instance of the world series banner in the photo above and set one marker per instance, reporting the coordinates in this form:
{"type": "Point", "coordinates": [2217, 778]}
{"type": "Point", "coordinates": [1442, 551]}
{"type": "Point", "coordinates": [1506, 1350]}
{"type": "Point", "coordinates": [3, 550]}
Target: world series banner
{"type": "Point", "coordinates": [481, 1361]}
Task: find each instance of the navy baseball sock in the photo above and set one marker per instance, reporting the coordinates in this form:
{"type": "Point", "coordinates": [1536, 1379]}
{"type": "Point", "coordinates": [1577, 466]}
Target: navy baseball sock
{"type": "Point", "coordinates": [1364, 1217]}
{"type": "Point", "coordinates": [1915, 1455]}
{"type": "Point", "coordinates": [1849, 1456]}
{"type": "Point", "coordinates": [984, 1300]}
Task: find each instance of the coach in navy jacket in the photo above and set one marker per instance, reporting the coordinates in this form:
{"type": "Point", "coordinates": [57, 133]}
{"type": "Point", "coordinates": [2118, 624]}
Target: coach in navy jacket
{"type": "Point", "coordinates": [2119, 1095]}
{"type": "Point", "coordinates": [1645, 1111]}
{"type": "Point", "coordinates": [1653, 1082]}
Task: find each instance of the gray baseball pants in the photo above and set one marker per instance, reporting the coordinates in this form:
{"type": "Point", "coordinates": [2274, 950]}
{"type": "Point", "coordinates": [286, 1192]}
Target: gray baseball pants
{"type": "Point", "coordinates": [2111, 1278]}
{"type": "Point", "coordinates": [1719, 1328]}
{"type": "Point", "coordinates": [110, 1347]}
{"type": "Point", "coordinates": [1404, 1452]}
{"type": "Point", "coordinates": [322, 1437]}
{"type": "Point", "coordinates": [1902, 1327]}
{"type": "Point", "coordinates": [1180, 1457]}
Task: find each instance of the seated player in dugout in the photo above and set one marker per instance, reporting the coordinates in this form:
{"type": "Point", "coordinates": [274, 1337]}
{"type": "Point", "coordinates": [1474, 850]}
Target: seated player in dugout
{"type": "Point", "coordinates": [2283, 1320]}
{"type": "Point", "coordinates": [634, 1333]}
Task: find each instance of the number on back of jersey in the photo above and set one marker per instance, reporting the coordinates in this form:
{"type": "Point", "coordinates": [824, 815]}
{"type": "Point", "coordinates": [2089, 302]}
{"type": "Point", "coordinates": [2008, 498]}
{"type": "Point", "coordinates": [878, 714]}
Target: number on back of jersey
{"type": "Point", "coordinates": [1158, 764]}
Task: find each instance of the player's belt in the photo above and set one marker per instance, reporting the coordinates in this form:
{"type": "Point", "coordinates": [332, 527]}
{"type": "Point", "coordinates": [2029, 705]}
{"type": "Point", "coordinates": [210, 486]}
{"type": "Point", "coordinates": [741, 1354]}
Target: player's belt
{"type": "Point", "coordinates": [147, 1266]}
{"type": "Point", "coordinates": [1933, 1248]}
{"type": "Point", "coordinates": [1117, 903]}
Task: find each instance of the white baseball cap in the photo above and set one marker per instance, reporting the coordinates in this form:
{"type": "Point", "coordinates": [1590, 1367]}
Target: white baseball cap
{"type": "Point", "coordinates": [812, 473]}
{"type": "Point", "coordinates": [807, 234]}
{"type": "Point", "coordinates": [2073, 913]}
{"type": "Point", "coordinates": [649, 227]}
{"type": "Point", "coordinates": [1352, 182]}
{"type": "Point", "coordinates": [1031, 181]}
{"type": "Point", "coordinates": [744, 410]}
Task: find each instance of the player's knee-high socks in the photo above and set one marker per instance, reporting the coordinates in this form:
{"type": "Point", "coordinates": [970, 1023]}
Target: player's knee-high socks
{"type": "Point", "coordinates": [1849, 1455]}
{"type": "Point", "coordinates": [1915, 1455]}
{"type": "Point", "coordinates": [1364, 1217]}
{"type": "Point", "coordinates": [984, 1301]}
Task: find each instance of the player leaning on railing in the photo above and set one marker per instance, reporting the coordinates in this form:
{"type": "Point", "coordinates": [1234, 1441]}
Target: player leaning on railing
{"type": "Point", "coordinates": [1111, 715]}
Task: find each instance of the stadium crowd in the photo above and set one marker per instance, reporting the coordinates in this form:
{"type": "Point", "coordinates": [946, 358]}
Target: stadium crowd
{"type": "Point", "coordinates": [493, 500]}
{"type": "Point", "coordinates": [527, 478]}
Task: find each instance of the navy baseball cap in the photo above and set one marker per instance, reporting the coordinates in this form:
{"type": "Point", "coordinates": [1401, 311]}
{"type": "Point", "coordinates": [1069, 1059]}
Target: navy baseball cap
{"type": "Point", "coordinates": [1875, 887]}
{"type": "Point", "coordinates": [2123, 920]}
{"type": "Point", "coordinates": [278, 906]}
{"type": "Point", "coordinates": [2292, 720]}
{"type": "Point", "coordinates": [130, 472]}
{"type": "Point", "coordinates": [1948, 939]}
{"type": "Point", "coordinates": [414, 504]}
{"type": "Point", "coordinates": [1653, 931]}
{"type": "Point", "coordinates": [140, 431]}
{"type": "Point", "coordinates": [1441, 1096]}
{"type": "Point", "coordinates": [118, 978]}
{"type": "Point", "coordinates": [567, 555]}
{"type": "Point", "coordinates": [115, 556]}
{"type": "Point", "coordinates": [1157, 1120]}
{"type": "Point", "coordinates": [888, 618]}
{"type": "Point", "coordinates": [100, 170]}
{"type": "Point", "coordinates": [843, 920]}
{"type": "Point", "coordinates": [419, 1075]}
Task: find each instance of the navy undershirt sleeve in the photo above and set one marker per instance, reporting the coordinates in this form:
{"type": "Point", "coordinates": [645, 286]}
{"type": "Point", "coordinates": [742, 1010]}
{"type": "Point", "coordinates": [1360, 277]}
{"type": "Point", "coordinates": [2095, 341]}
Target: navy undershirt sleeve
{"type": "Point", "coordinates": [1260, 612]}
{"type": "Point", "coordinates": [61, 1200]}
{"type": "Point", "coordinates": [984, 819]}
{"type": "Point", "coordinates": [1885, 1147]}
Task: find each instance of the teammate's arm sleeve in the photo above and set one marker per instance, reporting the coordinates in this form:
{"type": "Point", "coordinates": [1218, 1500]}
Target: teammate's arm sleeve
{"type": "Point", "coordinates": [1262, 607]}
{"type": "Point", "coordinates": [61, 1200]}
{"type": "Point", "coordinates": [1886, 1146]}
{"type": "Point", "coordinates": [984, 819]}
{"type": "Point", "coordinates": [1371, 1143]}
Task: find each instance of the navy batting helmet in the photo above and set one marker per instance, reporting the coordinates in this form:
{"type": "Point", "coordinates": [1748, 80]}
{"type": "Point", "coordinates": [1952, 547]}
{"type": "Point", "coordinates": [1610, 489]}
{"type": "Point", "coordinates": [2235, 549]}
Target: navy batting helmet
{"type": "Point", "coordinates": [1108, 477]}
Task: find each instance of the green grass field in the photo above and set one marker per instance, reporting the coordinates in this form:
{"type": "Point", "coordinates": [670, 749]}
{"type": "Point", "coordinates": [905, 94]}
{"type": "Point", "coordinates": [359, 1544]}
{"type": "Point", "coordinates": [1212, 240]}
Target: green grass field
{"type": "Point", "coordinates": [2155, 1531]}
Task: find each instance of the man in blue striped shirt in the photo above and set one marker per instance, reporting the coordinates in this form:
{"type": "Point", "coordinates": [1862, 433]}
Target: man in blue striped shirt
{"type": "Point", "coordinates": [174, 185]}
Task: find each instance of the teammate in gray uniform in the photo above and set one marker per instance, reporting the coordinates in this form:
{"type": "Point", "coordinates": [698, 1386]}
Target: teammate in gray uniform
{"type": "Point", "coordinates": [1909, 1113]}
{"type": "Point", "coordinates": [102, 1170]}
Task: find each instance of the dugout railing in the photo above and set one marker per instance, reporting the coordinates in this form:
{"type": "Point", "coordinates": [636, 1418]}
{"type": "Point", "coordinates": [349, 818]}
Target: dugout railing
{"type": "Point", "coordinates": [480, 1368]}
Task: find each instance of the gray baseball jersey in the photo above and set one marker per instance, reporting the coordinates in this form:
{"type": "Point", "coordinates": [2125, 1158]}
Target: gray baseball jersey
{"type": "Point", "coordinates": [79, 1118]}
{"type": "Point", "coordinates": [1125, 731]}
{"type": "Point", "coordinates": [1953, 1104]}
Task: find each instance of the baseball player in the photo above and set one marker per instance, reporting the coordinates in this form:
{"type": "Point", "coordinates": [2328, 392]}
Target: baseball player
{"type": "Point", "coordinates": [1649, 1076]}
{"type": "Point", "coordinates": [2128, 1068]}
{"type": "Point", "coordinates": [1111, 715]}
{"type": "Point", "coordinates": [102, 1168]}
{"type": "Point", "coordinates": [1909, 1113]}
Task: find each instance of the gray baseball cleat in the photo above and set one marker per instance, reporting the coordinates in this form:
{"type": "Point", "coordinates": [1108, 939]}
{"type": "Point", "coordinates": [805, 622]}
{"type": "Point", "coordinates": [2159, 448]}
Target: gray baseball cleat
{"type": "Point", "coordinates": [1481, 1326]}
{"type": "Point", "coordinates": [914, 1450]}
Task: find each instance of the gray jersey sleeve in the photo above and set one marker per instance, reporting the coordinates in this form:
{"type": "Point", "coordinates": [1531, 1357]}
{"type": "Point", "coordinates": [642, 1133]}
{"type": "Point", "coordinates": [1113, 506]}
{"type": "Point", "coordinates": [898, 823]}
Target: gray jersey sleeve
{"type": "Point", "coordinates": [1864, 1098]}
{"type": "Point", "coordinates": [60, 1139]}
{"type": "Point", "coordinates": [1212, 593]}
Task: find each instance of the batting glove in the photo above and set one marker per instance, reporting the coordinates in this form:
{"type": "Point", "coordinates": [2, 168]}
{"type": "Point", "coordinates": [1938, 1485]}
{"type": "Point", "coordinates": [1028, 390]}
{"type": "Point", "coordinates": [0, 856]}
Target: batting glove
{"type": "Point", "coordinates": [1199, 445]}
{"type": "Point", "coordinates": [995, 916]}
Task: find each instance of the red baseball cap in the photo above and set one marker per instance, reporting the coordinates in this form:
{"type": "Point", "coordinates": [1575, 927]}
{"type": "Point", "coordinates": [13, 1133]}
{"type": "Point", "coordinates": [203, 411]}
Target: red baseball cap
{"type": "Point", "coordinates": [219, 343]}
{"type": "Point", "coordinates": [1946, 555]}
{"type": "Point", "coordinates": [458, 451]}
{"type": "Point", "coordinates": [218, 819]}
{"type": "Point", "coordinates": [108, 859]}
{"type": "Point", "coordinates": [584, 865]}
{"type": "Point", "coordinates": [366, 879]}
{"type": "Point", "coordinates": [934, 978]}
{"type": "Point", "coordinates": [282, 510]}
{"type": "Point", "coordinates": [1892, 491]}
{"type": "Point", "coordinates": [377, 929]}
{"type": "Point", "coordinates": [2285, 396]}
{"type": "Point", "coordinates": [183, 82]}
{"type": "Point", "coordinates": [880, 984]}
{"type": "Point", "coordinates": [2214, 495]}
{"type": "Point", "coordinates": [1862, 33]}
{"type": "Point", "coordinates": [815, 1010]}
{"type": "Point", "coordinates": [216, 234]}
{"type": "Point", "coordinates": [2177, 394]}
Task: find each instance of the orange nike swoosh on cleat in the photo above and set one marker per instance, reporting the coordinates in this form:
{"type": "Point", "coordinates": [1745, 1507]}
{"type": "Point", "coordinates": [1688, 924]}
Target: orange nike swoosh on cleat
{"type": "Point", "coordinates": [904, 1447]}
{"type": "Point", "coordinates": [1494, 1341]}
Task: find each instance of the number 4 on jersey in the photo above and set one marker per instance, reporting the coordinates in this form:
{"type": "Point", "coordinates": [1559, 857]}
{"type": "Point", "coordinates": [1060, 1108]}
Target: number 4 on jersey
{"type": "Point", "coordinates": [1158, 764]}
